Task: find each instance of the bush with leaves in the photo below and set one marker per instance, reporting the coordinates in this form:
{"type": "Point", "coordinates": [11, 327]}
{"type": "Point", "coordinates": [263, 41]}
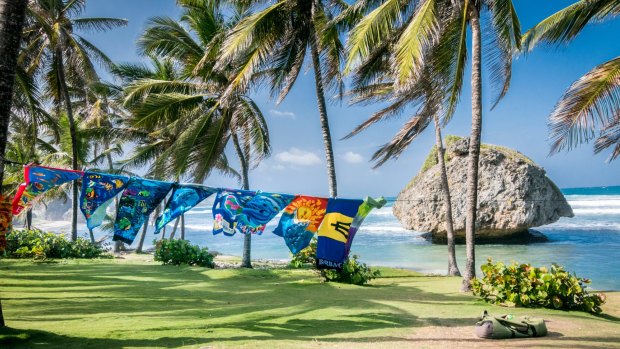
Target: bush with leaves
{"type": "Point", "coordinates": [527, 286]}
{"type": "Point", "coordinates": [353, 272]}
{"type": "Point", "coordinates": [305, 257]}
{"type": "Point", "coordinates": [41, 245]}
{"type": "Point", "coordinates": [177, 252]}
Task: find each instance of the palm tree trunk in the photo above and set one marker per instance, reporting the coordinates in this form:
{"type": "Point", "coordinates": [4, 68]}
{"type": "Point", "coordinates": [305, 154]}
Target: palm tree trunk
{"type": "Point", "coordinates": [474, 150]}
{"type": "Point", "coordinates": [174, 230]}
{"type": "Point", "coordinates": [92, 236]}
{"type": "Point", "coordinates": [12, 15]}
{"type": "Point", "coordinates": [246, 260]}
{"type": "Point", "coordinates": [142, 236]}
{"type": "Point", "coordinates": [117, 244]}
{"type": "Point", "coordinates": [453, 269]}
{"type": "Point", "coordinates": [182, 227]}
{"type": "Point", "coordinates": [72, 131]}
{"type": "Point", "coordinates": [320, 96]}
{"type": "Point", "coordinates": [29, 218]}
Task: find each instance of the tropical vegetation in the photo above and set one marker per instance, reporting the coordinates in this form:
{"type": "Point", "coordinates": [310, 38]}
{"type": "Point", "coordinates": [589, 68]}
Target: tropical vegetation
{"type": "Point", "coordinates": [589, 108]}
{"type": "Point", "coordinates": [38, 245]}
{"type": "Point", "coordinates": [415, 53]}
{"type": "Point", "coordinates": [523, 285]}
{"type": "Point", "coordinates": [189, 105]}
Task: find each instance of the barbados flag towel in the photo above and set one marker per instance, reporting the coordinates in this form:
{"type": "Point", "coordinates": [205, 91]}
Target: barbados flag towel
{"type": "Point", "coordinates": [334, 233]}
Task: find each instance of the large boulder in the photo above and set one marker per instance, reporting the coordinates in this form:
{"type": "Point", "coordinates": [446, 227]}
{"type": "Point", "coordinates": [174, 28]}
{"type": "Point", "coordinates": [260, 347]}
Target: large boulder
{"type": "Point", "coordinates": [514, 194]}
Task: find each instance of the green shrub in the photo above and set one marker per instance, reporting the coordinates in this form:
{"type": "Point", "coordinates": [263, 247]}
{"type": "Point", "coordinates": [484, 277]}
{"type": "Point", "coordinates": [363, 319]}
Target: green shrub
{"type": "Point", "coordinates": [527, 286]}
{"type": "Point", "coordinates": [305, 257]}
{"type": "Point", "coordinates": [40, 245]}
{"type": "Point", "coordinates": [353, 272]}
{"type": "Point", "coordinates": [177, 252]}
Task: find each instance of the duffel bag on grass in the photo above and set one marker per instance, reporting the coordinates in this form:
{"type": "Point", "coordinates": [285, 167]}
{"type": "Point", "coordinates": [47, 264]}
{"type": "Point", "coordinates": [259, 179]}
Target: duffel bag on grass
{"type": "Point", "coordinates": [510, 326]}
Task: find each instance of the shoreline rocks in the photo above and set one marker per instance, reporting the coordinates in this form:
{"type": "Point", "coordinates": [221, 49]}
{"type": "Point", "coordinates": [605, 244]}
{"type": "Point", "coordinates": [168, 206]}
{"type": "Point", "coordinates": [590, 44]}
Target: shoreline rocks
{"type": "Point", "coordinates": [514, 195]}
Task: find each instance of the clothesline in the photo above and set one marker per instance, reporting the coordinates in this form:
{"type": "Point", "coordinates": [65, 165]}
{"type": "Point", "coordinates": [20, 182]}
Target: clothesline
{"type": "Point", "coordinates": [335, 220]}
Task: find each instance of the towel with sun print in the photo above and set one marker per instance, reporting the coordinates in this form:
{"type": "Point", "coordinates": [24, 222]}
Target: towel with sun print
{"type": "Point", "coordinates": [300, 220]}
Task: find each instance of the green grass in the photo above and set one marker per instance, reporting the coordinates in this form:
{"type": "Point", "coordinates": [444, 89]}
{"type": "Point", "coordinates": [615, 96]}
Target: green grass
{"type": "Point", "coordinates": [139, 304]}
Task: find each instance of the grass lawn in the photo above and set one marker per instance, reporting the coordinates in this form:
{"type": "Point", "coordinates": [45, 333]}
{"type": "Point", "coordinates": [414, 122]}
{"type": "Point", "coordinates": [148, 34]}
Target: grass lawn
{"type": "Point", "coordinates": [140, 304]}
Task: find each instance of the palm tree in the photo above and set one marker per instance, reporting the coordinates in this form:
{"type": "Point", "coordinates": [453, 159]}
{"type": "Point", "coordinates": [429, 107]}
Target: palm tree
{"type": "Point", "coordinates": [183, 108]}
{"type": "Point", "coordinates": [272, 44]}
{"type": "Point", "coordinates": [429, 38]}
{"type": "Point", "coordinates": [12, 16]}
{"type": "Point", "coordinates": [371, 83]}
{"type": "Point", "coordinates": [63, 59]}
{"type": "Point", "coordinates": [589, 109]}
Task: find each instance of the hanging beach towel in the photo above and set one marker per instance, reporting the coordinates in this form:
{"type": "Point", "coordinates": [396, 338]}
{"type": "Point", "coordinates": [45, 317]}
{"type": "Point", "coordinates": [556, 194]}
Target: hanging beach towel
{"type": "Point", "coordinates": [38, 180]}
{"type": "Point", "coordinates": [98, 190]}
{"type": "Point", "coordinates": [300, 221]}
{"type": "Point", "coordinates": [139, 200]}
{"type": "Point", "coordinates": [184, 197]}
{"type": "Point", "coordinates": [227, 208]}
{"type": "Point", "coordinates": [368, 205]}
{"type": "Point", "coordinates": [261, 209]}
{"type": "Point", "coordinates": [334, 233]}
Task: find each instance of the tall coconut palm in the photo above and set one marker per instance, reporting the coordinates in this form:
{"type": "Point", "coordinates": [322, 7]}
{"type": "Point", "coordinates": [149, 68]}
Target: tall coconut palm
{"type": "Point", "coordinates": [186, 107]}
{"type": "Point", "coordinates": [275, 41]}
{"type": "Point", "coordinates": [590, 108]}
{"type": "Point", "coordinates": [372, 83]}
{"type": "Point", "coordinates": [12, 14]}
{"type": "Point", "coordinates": [63, 59]}
{"type": "Point", "coordinates": [432, 35]}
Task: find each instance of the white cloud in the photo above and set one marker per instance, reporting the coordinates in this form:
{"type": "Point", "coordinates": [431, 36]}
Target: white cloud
{"type": "Point", "coordinates": [296, 156]}
{"type": "Point", "coordinates": [278, 167]}
{"type": "Point", "coordinates": [283, 114]}
{"type": "Point", "coordinates": [352, 157]}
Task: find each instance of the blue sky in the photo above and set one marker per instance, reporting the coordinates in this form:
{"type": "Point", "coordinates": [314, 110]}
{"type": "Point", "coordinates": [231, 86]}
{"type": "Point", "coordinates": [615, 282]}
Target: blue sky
{"type": "Point", "coordinates": [519, 121]}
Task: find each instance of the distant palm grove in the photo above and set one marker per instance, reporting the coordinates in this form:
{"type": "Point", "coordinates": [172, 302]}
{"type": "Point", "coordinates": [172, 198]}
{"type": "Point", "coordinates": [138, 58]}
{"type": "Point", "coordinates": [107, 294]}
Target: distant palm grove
{"type": "Point", "coordinates": [188, 109]}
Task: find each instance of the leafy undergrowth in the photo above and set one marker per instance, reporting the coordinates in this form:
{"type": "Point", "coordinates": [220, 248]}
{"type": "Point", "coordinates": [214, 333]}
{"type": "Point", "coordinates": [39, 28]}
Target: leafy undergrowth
{"type": "Point", "coordinates": [136, 304]}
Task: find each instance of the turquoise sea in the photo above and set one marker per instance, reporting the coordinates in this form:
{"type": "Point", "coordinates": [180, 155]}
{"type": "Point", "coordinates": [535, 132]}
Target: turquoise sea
{"type": "Point", "coordinates": [588, 244]}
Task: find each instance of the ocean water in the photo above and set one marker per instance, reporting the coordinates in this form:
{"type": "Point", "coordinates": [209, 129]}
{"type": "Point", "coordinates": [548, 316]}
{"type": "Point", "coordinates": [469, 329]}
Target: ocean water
{"type": "Point", "coordinates": [588, 244]}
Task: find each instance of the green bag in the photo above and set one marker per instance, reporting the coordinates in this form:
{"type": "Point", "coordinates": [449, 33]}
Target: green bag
{"type": "Point", "coordinates": [510, 326]}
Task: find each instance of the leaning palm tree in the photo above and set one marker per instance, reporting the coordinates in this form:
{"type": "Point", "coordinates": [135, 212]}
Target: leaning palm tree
{"type": "Point", "coordinates": [372, 84]}
{"type": "Point", "coordinates": [432, 35]}
{"type": "Point", "coordinates": [272, 43]}
{"type": "Point", "coordinates": [427, 109]}
{"type": "Point", "coordinates": [590, 108]}
{"type": "Point", "coordinates": [63, 59]}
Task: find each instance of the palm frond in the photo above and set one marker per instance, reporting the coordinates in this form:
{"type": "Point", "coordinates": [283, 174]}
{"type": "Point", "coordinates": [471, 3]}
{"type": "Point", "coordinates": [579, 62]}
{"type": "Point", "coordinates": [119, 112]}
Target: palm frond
{"type": "Point", "coordinates": [564, 25]}
{"type": "Point", "coordinates": [371, 31]}
{"type": "Point", "coordinates": [588, 103]}
{"type": "Point", "coordinates": [421, 32]}
{"type": "Point", "coordinates": [98, 24]}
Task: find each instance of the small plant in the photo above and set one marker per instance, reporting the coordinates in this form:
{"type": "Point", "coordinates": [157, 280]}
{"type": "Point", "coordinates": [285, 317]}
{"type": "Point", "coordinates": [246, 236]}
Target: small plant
{"type": "Point", "coordinates": [305, 257]}
{"type": "Point", "coordinates": [39, 245]}
{"type": "Point", "coordinates": [353, 272]}
{"type": "Point", "coordinates": [527, 286]}
{"type": "Point", "coordinates": [177, 252]}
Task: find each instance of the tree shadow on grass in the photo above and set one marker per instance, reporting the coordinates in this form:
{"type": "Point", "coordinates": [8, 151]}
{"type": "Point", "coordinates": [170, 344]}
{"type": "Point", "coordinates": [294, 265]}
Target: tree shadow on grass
{"type": "Point", "coordinates": [176, 306]}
